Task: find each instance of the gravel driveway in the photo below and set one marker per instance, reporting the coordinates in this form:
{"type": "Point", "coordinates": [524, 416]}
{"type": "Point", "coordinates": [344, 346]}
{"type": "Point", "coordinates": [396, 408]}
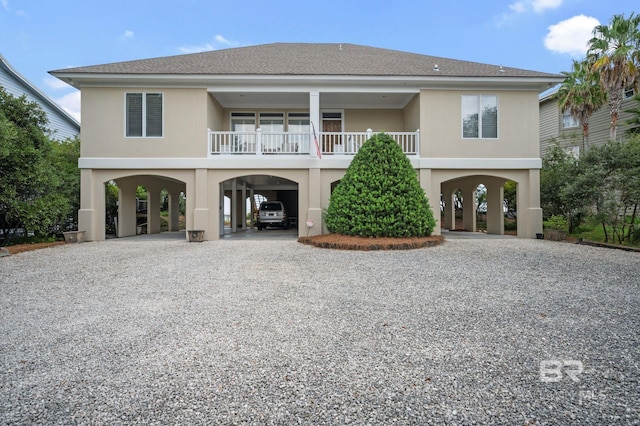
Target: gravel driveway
{"type": "Point", "coordinates": [506, 331]}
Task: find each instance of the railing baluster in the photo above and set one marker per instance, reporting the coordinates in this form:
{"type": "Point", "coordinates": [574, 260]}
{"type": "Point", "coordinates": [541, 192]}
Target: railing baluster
{"type": "Point", "coordinates": [284, 143]}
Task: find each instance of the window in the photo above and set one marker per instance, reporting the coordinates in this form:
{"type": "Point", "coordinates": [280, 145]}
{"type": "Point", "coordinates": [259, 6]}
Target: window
{"type": "Point", "coordinates": [480, 116]}
{"type": "Point", "coordinates": [299, 129]}
{"type": "Point", "coordinates": [272, 125]}
{"type": "Point", "coordinates": [573, 151]}
{"type": "Point", "coordinates": [568, 121]}
{"type": "Point", "coordinates": [628, 93]}
{"type": "Point", "coordinates": [244, 123]}
{"type": "Point", "coordinates": [144, 115]}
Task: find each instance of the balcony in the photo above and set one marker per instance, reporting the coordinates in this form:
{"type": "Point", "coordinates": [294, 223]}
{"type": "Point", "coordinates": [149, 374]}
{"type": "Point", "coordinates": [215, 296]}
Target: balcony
{"type": "Point", "coordinates": [285, 143]}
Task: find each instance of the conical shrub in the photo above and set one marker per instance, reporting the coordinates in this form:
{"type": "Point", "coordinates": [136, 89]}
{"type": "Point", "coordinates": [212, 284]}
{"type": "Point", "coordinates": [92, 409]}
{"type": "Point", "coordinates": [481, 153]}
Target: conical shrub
{"type": "Point", "coordinates": [379, 195]}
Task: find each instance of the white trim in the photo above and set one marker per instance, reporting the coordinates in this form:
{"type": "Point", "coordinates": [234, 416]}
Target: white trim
{"type": "Point", "coordinates": [479, 137]}
{"type": "Point", "coordinates": [297, 162]}
{"type": "Point", "coordinates": [480, 163]}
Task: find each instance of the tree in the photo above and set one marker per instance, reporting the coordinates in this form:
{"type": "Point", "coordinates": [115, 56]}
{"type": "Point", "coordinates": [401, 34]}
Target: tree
{"type": "Point", "coordinates": [511, 198]}
{"type": "Point", "coordinates": [559, 169]}
{"type": "Point", "coordinates": [582, 95]}
{"type": "Point", "coordinates": [613, 53]}
{"type": "Point", "coordinates": [65, 163]}
{"type": "Point", "coordinates": [379, 195]}
{"type": "Point", "coordinates": [612, 174]}
{"type": "Point", "coordinates": [28, 182]}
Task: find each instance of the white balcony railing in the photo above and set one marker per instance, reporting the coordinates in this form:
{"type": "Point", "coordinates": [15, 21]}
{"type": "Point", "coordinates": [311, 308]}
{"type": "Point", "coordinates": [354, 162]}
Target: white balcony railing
{"type": "Point", "coordinates": [285, 143]}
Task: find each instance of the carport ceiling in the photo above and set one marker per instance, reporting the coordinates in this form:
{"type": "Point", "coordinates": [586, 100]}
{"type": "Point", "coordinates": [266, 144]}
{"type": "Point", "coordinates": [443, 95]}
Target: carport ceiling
{"type": "Point", "coordinates": [263, 182]}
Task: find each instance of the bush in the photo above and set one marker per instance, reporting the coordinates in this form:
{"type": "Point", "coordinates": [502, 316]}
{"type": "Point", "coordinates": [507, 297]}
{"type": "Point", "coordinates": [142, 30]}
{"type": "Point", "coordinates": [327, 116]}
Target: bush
{"type": "Point", "coordinates": [380, 195]}
{"type": "Point", "coordinates": [556, 222]}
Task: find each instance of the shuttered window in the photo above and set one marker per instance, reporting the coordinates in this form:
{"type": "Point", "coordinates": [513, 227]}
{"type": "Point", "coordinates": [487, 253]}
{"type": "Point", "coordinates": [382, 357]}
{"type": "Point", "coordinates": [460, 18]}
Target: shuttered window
{"type": "Point", "coordinates": [144, 115]}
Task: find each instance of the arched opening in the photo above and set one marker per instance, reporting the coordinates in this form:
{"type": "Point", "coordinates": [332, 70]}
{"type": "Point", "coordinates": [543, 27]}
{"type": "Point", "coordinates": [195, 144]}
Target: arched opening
{"type": "Point", "coordinates": [242, 196]}
{"type": "Point", "coordinates": [477, 204]}
{"type": "Point", "coordinates": [144, 204]}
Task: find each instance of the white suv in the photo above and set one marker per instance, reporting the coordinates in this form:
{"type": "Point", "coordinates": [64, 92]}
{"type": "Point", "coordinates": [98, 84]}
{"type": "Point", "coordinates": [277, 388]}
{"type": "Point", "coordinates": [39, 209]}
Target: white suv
{"type": "Point", "coordinates": [272, 213]}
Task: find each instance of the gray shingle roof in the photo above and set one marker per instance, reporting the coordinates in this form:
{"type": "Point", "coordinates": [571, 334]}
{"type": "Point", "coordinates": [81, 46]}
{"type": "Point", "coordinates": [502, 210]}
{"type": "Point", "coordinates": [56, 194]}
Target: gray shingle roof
{"type": "Point", "coordinates": [307, 59]}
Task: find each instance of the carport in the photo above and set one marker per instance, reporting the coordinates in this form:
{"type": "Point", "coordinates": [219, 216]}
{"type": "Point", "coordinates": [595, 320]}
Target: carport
{"type": "Point", "coordinates": [242, 195]}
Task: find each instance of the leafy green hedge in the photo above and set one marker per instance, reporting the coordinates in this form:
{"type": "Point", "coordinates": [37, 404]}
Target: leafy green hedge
{"type": "Point", "coordinates": [380, 195]}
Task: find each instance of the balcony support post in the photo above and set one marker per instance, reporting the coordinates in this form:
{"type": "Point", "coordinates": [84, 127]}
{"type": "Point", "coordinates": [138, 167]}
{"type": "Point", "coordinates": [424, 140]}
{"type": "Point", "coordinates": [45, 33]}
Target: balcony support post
{"type": "Point", "coordinates": [258, 141]}
{"type": "Point", "coordinates": [314, 117]}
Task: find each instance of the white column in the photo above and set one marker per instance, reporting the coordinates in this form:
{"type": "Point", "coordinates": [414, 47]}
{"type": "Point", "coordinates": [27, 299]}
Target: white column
{"type": "Point", "coordinates": [252, 204]}
{"type": "Point", "coordinates": [258, 141]}
{"type": "Point", "coordinates": [243, 206]}
{"type": "Point", "coordinates": [314, 117]}
{"type": "Point", "coordinates": [495, 207]}
{"type": "Point", "coordinates": [221, 209]}
{"type": "Point", "coordinates": [234, 204]}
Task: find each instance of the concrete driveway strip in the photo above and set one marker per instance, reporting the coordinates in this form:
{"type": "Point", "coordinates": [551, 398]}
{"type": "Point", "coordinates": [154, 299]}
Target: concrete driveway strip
{"type": "Point", "coordinates": [491, 331]}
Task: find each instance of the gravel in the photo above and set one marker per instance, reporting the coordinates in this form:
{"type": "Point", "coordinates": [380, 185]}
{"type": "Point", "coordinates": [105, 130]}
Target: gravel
{"type": "Point", "coordinates": [138, 331]}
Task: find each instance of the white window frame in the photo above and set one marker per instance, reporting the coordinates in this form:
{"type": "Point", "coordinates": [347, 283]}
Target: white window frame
{"type": "Point", "coordinates": [628, 93]}
{"type": "Point", "coordinates": [303, 141]}
{"type": "Point", "coordinates": [272, 141]}
{"type": "Point", "coordinates": [567, 120]}
{"type": "Point", "coordinates": [144, 115]}
{"type": "Point", "coordinates": [480, 135]}
{"type": "Point", "coordinates": [247, 138]}
{"type": "Point", "coordinates": [245, 115]}
{"type": "Point", "coordinates": [331, 111]}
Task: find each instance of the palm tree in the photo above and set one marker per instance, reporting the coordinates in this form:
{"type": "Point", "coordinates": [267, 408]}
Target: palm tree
{"type": "Point", "coordinates": [613, 51]}
{"type": "Point", "coordinates": [582, 95]}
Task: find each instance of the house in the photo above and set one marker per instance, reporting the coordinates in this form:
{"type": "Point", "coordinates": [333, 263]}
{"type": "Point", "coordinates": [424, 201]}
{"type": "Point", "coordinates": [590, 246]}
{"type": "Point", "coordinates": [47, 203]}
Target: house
{"type": "Point", "coordinates": [245, 121]}
{"type": "Point", "coordinates": [560, 127]}
{"type": "Point", "coordinates": [61, 124]}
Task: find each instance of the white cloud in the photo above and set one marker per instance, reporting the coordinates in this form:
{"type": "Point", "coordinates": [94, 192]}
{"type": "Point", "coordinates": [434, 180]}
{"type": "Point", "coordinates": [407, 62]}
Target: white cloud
{"type": "Point", "coordinates": [127, 35]}
{"type": "Point", "coordinates": [518, 7]}
{"type": "Point", "coordinates": [542, 5]}
{"type": "Point", "coordinates": [70, 103]}
{"type": "Point", "coordinates": [55, 83]}
{"type": "Point", "coordinates": [223, 40]}
{"type": "Point", "coordinates": [524, 6]}
{"type": "Point", "coordinates": [571, 36]}
{"type": "Point", "coordinates": [5, 4]}
{"type": "Point", "coordinates": [218, 40]}
{"type": "Point", "coordinates": [196, 49]}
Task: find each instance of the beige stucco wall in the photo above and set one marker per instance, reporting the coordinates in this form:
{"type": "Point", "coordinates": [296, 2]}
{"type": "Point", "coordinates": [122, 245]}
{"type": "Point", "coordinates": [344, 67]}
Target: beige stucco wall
{"type": "Point", "coordinates": [215, 113]}
{"type": "Point", "coordinates": [378, 120]}
{"type": "Point", "coordinates": [103, 121]}
{"type": "Point", "coordinates": [411, 114]}
{"type": "Point", "coordinates": [441, 126]}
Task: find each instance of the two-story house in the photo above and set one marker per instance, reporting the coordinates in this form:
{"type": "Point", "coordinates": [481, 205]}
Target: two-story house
{"type": "Point", "coordinates": [559, 127]}
{"type": "Point", "coordinates": [61, 124]}
{"type": "Point", "coordinates": [284, 120]}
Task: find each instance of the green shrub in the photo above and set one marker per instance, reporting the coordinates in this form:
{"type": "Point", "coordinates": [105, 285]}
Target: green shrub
{"type": "Point", "coordinates": [556, 222]}
{"type": "Point", "coordinates": [380, 195]}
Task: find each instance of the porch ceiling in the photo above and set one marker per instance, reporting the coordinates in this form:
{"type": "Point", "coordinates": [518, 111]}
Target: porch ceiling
{"type": "Point", "coordinates": [328, 100]}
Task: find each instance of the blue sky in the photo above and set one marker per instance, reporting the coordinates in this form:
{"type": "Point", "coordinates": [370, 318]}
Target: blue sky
{"type": "Point", "coordinates": [37, 36]}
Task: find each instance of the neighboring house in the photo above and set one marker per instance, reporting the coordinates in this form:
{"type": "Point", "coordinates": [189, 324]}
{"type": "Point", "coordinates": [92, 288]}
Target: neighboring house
{"type": "Point", "coordinates": [244, 121]}
{"type": "Point", "coordinates": [61, 124]}
{"type": "Point", "coordinates": [561, 128]}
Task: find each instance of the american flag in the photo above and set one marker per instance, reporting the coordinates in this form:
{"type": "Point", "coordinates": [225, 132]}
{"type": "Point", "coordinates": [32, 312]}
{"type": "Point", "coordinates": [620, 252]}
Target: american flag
{"type": "Point", "coordinates": [315, 139]}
